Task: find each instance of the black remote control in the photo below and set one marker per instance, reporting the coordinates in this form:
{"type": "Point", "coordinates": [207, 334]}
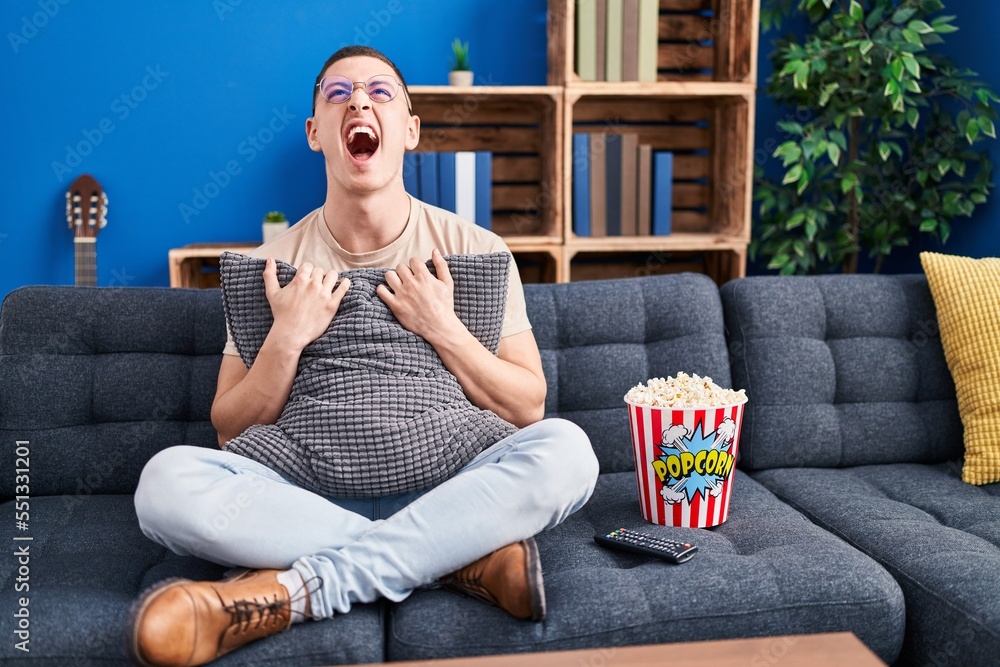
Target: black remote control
{"type": "Point", "coordinates": [641, 543]}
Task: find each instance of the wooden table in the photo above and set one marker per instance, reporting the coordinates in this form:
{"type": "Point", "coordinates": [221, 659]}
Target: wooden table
{"type": "Point", "coordinates": [196, 264]}
{"type": "Point", "coordinates": [823, 650]}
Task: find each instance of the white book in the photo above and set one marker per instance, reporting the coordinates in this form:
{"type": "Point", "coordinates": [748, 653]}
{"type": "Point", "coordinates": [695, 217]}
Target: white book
{"type": "Point", "coordinates": [465, 185]}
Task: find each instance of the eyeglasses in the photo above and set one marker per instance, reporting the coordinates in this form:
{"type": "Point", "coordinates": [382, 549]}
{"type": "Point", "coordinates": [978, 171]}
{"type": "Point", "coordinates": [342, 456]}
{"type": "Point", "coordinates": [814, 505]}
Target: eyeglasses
{"type": "Point", "coordinates": [381, 88]}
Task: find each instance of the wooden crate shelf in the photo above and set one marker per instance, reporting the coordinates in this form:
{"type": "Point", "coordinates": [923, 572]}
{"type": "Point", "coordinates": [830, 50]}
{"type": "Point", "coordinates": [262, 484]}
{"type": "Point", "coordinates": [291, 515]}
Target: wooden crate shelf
{"type": "Point", "coordinates": [698, 41]}
{"type": "Point", "coordinates": [674, 89]}
{"type": "Point", "coordinates": [707, 39]}
{"type": "Point", "coordinates": [721, 265]}
{"type": "Point", "coordinates": [703, 113]}
{"type": "Point", "coordinates": [520, 126]}
{"type": "Point", "coordinates": [197, 264]}
{"type": "Point", "coordinates": [713, 161]}
{"type": "Point", "coordinates": [676, 241]}
{"type": "Point", "coordinates": [541, 263]}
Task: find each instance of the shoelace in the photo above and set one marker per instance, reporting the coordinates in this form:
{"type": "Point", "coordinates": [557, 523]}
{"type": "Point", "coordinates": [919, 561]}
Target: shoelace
{"type": "Point", "coordinates": [470, 581]}
{"type": "Point", "coordinates": [245, 612]}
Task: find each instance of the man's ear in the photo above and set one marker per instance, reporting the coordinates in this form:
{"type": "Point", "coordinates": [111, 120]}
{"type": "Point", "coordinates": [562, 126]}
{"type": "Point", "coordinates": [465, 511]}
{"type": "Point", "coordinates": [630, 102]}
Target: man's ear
{"type": "Point", "coordinates": [412, 132]}
{"type": "Point", "coordinates": [311, 131]}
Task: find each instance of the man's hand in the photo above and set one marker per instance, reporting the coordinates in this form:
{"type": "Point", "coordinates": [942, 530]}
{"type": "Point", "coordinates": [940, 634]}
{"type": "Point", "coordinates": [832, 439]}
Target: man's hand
{"type": "Point", "coordinates": [423, 304]}
{"type": "Point", "coordinates": [304, 308]}
{"type": "Point", "coordinates": [510, 383]}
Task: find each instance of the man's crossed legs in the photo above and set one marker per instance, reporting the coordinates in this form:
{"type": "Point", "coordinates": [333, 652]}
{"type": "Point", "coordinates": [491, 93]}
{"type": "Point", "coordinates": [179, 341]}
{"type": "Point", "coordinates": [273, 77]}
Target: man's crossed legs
{"type": "Point", "coordinates": [318, 557]}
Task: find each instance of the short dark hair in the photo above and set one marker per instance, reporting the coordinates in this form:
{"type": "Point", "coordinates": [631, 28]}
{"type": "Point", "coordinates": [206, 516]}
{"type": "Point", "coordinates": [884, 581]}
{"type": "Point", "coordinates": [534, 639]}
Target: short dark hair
{"type": "Point", "coordinates": [353, 51]}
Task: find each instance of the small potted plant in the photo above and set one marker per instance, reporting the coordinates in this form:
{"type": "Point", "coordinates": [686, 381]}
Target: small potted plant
{"type": "Point", "coordinates": [461, 73]}
{"type": "Point", "coordinates": [275, 223]}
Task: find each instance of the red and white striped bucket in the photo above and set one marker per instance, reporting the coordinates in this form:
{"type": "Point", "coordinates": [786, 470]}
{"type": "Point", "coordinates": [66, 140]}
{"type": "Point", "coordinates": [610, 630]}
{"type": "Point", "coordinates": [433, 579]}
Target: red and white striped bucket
{"type": "Point", "coordinates": [685, 460]}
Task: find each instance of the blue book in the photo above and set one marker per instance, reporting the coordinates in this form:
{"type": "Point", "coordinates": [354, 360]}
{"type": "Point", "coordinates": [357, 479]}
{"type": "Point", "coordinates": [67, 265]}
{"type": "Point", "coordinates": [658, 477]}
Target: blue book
{"type": "Point", "coordinates": [446, 181]}
{"type": "Point", "coordinates": [581, 184]}
{"type": "Point", "coordinates": [484, 189]}
{"type": "Point", "coordinates": [411, 179]}
{"type": "Point", "coordinates": [428, 169]}
{"type": "Point", "coordinates": [663, 181]}
{"type": "Point", "coordinates": [613, 179]}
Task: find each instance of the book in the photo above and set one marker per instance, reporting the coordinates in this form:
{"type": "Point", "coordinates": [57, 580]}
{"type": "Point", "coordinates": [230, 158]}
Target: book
{"type": "Point", "coordinates": [649, 36]}
{"type": "Point", "coordinates": [460, 182]}
{"type": "Point", "coordinates": [427, 170]}
{"type": "Point", "coordinates": [598, 186]}
{"type": "Point", "coordinates": [465, 185]}
{"type": "Point", "coordinates": [644, 198]}
{"type": "Point", "coordinates": [613, 42]}
{"type": "Point", "coordinates": [411, 178]}
{"type": "Point", "coordinates": [663, 181]}
{"type": "Point", "coordinates": [629, 183]}
{"type": "Point", "coordinates": [630, 40]}
{"type": "Point", "coordinates": [600, 39]}
{"type": "Point", "coordinates": [446, 181]}
{"type": "Point", "coordinates": [581, 184]}
{"type": "Point", "coordinates": [586, 40]}
{"type": "Point", "coordinates": [613, 180]}
{"type": "Point", "coordinates": [484, 189]}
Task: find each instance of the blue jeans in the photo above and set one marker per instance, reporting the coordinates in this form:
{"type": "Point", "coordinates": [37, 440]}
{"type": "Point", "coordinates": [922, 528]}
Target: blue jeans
{"type": "Point", "coordinates": [228, 509]}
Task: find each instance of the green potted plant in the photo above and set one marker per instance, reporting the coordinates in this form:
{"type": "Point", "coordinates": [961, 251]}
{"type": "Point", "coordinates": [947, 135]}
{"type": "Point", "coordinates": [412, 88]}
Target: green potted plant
{"type": "Point", "coordinates": [882, 145]}
{"type": "Point", "coordinates": [461, 70]}
{"type": "Point", "coordinates": [274, 224]}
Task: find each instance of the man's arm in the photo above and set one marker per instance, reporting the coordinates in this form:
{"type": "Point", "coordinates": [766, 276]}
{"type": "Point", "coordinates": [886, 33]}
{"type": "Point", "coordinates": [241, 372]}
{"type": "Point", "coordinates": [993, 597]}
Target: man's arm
{"type": "Point", "coordinates": [511, 384]}
{"type": "Point", "coordinates": [302, 311]}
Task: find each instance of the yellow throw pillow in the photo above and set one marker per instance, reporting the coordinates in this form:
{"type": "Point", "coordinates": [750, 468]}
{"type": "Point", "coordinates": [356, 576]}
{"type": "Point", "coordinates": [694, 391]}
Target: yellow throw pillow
{"type": "Point", "coordinates": [966, 294]}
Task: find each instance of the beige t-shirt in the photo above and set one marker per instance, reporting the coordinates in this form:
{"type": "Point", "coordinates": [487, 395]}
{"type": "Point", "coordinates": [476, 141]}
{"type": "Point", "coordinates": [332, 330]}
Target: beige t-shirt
{"type": "Point", "coordinates": [428, 227]}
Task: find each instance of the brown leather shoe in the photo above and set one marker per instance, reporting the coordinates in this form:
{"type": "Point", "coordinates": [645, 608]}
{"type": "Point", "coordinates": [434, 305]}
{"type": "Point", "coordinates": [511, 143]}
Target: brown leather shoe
{"type": "Point", "coordinates": [510, 578]}
{"type": "Point", "coordinates": [181, 623]}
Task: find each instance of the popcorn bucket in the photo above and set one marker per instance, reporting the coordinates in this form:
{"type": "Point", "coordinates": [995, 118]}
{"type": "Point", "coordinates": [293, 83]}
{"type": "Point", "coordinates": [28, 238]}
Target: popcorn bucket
{"type": "Point", "coordinates": [685, 460]}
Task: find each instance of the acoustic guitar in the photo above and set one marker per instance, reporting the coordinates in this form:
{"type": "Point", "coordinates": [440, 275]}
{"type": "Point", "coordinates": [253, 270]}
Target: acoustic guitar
{"type": "Point", "coordinates": [86, 213]}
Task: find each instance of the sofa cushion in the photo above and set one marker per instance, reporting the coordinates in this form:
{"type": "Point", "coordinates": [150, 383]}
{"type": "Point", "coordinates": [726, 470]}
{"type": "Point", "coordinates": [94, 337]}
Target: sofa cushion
{"type": "Point", "coordinates": [939, 537]}
{"type": "Point", "coordinates": [766, 571]}
{"type": "Point", "coordinates": [373, 410]}
{"type": "Point", "coordinates": [598, 339]}
{"type": "Point", "coordinates": [97, 381]}
{"type": "Point", "coordinates": [967, 296]}
{"type": "Point", "coordinates": [840, 370]}
{"type": "Point", "coordinates": [88, 561]}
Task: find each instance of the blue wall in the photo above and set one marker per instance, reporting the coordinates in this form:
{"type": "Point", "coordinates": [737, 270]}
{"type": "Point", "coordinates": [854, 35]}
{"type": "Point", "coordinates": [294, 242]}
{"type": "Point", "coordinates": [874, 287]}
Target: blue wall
{"type": "Point", "coordinates": [162, 95]}
{"type": "Point", "coordinates": [970, 47]}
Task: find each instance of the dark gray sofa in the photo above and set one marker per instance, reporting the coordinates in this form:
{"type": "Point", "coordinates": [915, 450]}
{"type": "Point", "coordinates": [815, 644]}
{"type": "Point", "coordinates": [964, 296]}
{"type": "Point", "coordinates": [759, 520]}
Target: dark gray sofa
{"type": "Point", "coordinates": [97, 380]}
{"type": "Point", "coordinates": [853, 421]}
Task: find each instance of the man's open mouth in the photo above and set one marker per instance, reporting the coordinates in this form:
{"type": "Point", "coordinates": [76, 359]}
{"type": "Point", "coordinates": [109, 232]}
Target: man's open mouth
{"type": "Point", "coordinates": [362, 142]}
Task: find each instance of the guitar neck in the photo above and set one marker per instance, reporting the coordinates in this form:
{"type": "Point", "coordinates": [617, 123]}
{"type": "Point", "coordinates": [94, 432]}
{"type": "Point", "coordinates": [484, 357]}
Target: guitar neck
{"type": "Point", "coordinates": [85, 253]}
{"type": "Point", "coordinates": [86, 211]}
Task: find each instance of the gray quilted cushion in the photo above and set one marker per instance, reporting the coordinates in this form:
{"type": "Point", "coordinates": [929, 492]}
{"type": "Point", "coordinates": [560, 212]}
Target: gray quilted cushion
{"type": "Point", "coordinates": [843, 370]}
{"type": "Point", "coordinates": [599, 338]}
{"type": "Point", "coordinates": [373, 411]}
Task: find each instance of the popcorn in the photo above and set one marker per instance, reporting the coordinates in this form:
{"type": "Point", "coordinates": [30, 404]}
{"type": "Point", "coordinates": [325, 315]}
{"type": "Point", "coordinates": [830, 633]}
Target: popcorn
{"type": "Point", "coordinates": [684, 391]}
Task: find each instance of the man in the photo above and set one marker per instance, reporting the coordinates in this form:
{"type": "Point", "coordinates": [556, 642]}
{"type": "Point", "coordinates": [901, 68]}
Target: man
{"type": "Point", "coordinates": [312, 556]}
